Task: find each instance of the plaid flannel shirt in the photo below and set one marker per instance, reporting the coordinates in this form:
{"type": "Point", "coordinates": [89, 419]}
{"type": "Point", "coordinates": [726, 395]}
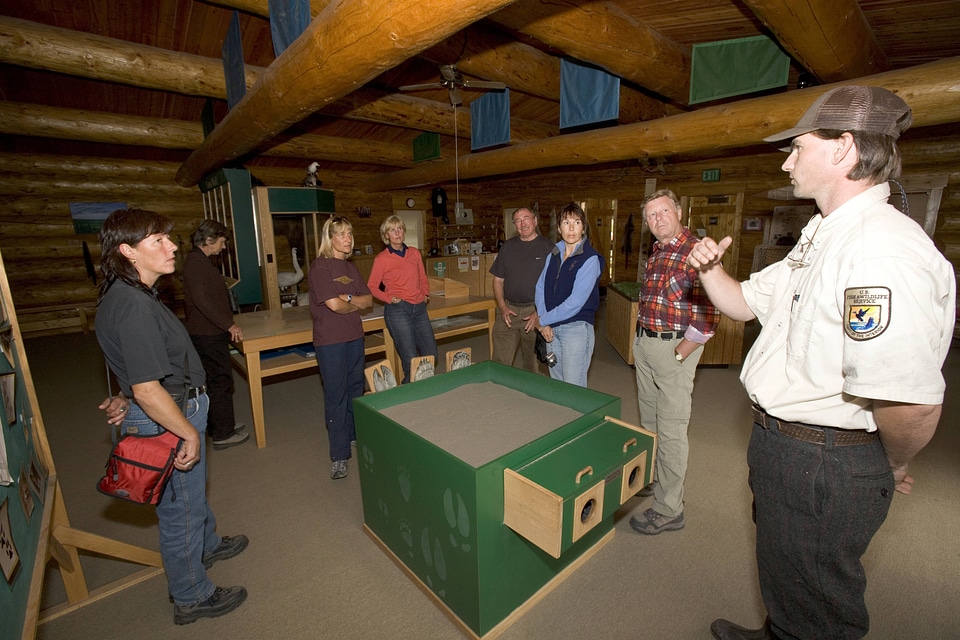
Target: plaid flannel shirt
{"type": "Point", "coordinates": [672, 298]}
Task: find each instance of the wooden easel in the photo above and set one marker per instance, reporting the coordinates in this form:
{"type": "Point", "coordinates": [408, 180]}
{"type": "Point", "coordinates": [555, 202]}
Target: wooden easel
{"type": "Point", "coordinates": [58, 540]}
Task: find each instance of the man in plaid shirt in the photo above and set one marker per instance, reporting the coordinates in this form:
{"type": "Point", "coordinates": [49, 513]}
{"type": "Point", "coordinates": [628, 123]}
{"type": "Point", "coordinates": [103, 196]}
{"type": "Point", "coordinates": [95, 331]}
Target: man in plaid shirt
{"type": "Point", "coordinates": [675, 320]}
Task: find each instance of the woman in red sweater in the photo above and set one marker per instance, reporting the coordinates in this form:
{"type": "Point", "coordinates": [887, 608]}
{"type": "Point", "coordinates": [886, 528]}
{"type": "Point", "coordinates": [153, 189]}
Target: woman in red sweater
{"type": "Point", "coordinates": [399, 280]}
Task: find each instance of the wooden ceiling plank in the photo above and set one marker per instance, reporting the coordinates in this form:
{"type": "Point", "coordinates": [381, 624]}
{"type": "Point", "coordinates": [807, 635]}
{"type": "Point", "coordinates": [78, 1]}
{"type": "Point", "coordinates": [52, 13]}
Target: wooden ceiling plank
{"type": "Point", "coordinates": [929, 89]}
{"type": "Point", "coordinates": [621, 44]}
{"type": "Point", "coordinates": [75, 53]}
{"type": "Point", "coordinates": [492, 56]}
{"type": "Point", "coordinates": [830, 38]}
{"type": "Point", "coordinates": [346, 46]}
{"type": "Point", "coordinates": [476, 51]}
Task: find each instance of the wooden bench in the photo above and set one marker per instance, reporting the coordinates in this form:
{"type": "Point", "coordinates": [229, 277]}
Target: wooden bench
{"type": "Point", "coordinates": [57, 319]}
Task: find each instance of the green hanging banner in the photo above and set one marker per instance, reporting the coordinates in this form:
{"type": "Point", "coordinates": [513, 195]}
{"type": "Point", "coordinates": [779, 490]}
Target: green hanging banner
{"type": "Point", "coordinates": [734, 67]}
{"type": "Point", "coordinates": [426, 146]}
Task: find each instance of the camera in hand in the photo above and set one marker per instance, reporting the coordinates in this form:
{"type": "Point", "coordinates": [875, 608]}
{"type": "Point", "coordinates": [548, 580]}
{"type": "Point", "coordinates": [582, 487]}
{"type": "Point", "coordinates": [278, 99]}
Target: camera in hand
{"type": "Point", "coordinates": [540, 348]}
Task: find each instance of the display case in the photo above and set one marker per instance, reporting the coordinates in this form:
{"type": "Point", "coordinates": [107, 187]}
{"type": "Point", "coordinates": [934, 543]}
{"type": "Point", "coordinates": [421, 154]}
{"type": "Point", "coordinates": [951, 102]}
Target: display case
{"type": "Point", "coordinates": [623, 303]}
{"type": "Point", "coordinates": [471, 270]}
{"type": "Point", "coordinates": [289, 222]}
{"type": "Point", "coordinates": [226, 199]}
{"type": "Point", "coordinates": [509, 485]}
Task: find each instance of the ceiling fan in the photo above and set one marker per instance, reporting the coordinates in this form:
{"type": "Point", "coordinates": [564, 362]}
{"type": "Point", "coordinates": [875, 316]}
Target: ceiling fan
{"type": "Point", "coordinates": [453, 80]}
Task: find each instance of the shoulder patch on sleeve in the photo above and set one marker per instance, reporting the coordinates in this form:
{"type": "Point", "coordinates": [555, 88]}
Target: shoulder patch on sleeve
{"type": "Point", "coordinates": [866, 312]}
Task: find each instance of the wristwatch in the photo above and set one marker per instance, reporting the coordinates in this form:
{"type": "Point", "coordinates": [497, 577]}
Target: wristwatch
{"type": "Point", "coordinates": [349, 298]}
{"type": "Point", "coordinates": [678, 356]}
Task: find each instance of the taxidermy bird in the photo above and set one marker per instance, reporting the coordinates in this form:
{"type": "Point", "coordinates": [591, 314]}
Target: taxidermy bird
{"type": "Point", "coordinates": [287, 279]}
{"type": "Point", "coordinates": [311, 179]}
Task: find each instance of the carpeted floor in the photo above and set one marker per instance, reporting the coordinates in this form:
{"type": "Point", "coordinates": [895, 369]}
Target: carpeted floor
{"type": "Point", "coordinates": [313, 574]}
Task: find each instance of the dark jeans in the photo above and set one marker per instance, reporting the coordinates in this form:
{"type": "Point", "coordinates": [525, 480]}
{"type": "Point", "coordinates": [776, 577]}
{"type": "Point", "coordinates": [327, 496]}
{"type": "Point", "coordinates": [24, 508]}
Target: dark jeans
{"type": "Point", "coordinates": [816, 507]}
{"type": "Point", "coordinates": [215, 355]}
{"type": "Point", "coordinates": [341, 372]}
{"type": "Point", "coordinates": [410, 329]}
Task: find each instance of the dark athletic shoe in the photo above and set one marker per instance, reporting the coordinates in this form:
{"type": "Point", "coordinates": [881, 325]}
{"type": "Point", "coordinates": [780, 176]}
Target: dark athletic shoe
{"type": "Point", "coordinates": [651, 523]}
{"type": "Point", "coordinates": [232, 440]}
{"type": "Point", "coordinates": [229, 546]}
{"type": "Point", "coordinates": [222, 602]}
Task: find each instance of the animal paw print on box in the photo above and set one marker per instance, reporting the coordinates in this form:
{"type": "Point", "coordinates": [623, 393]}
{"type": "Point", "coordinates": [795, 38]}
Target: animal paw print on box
{"type": "Point", "coordinates": [433, 557]}
{"type": "Point", "coordinates": [458, 517]}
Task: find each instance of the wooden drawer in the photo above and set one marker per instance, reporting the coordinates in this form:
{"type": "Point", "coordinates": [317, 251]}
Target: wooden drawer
{"type": "Point", "coordinates": [554, 500]}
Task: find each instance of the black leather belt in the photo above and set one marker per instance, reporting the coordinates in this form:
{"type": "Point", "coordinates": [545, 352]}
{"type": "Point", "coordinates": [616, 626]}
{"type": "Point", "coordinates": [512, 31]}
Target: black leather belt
{"type": "Point", "coordinates": [812, 433]}
{"type": "Point", "coordinates": [666, 335]}
{"type": "Point", "coordinates": [192, 393]}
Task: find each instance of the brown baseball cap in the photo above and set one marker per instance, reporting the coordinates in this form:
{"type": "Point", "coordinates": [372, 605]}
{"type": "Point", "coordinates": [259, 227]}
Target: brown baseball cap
{"type": "Point", "coordinates": [852, 108]}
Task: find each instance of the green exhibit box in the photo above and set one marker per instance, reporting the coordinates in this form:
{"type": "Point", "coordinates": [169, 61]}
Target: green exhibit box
{"type": "Point", "coordinates": [489, 484]}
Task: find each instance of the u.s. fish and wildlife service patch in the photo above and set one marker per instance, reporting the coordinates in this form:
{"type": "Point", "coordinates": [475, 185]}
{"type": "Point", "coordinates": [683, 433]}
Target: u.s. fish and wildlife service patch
{"type": "Point", "coordinates": [866, 312]}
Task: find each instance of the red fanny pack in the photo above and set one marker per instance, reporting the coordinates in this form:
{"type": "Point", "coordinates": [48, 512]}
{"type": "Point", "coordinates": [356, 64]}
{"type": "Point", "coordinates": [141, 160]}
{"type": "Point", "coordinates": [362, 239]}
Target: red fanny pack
{"type": "Point", "coordinates": [139, 467]}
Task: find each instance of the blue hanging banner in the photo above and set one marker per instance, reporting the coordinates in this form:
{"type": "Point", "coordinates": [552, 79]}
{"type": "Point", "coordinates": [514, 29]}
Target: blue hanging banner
{"type": "Point", "coordinates": [233, 71]}
{"type": "Point", "coordinates": [587, 95]}
{"type": "Point", "coordinates": [288, 19]}
{"type": "Point", "coordinates": [734, 67]}
{"type": "Point", "coordinates": [490, 120]}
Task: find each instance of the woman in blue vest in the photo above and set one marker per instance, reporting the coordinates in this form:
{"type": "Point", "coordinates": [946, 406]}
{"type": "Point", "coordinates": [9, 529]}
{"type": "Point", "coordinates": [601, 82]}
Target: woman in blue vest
{"type": "Point", "coordinates": [568, 295]}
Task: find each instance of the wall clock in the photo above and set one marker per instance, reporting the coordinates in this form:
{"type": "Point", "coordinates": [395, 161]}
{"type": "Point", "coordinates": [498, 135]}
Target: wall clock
{"type": "Point", "coordinates": [411, 202]}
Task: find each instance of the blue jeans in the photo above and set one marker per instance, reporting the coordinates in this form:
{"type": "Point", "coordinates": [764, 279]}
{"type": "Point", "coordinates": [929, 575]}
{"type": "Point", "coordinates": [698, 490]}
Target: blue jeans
{"type": "Point", "coordinates": [410, 329]}
{"type": "Point", "coordinates": [816, 508]}
{"type": "Point", "coordinates": [187, 525]}
{"type": "Point", "coordinates": [341, 372]}
{"type": "Point", "coordinates": [573, 345]}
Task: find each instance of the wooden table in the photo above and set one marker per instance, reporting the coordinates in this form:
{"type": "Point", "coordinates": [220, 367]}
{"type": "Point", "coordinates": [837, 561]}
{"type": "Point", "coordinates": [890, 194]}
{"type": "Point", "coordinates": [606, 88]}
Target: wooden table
{"type": "Point", "coordinates": [281, 329]}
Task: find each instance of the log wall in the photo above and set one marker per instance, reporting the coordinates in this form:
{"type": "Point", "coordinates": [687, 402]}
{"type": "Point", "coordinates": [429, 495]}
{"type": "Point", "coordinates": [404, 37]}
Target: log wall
{"type": "Point", "coordinates": [45, 262]}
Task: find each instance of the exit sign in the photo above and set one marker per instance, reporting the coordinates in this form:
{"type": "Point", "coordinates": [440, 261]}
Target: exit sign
{"type": "Point", "coordinates": [711, 175]}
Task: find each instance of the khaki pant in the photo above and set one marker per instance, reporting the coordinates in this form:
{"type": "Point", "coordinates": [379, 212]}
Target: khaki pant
{"type": "Point", "coordinates": [507, 339]}
{"type": "Point", "coordinates": [664, 390]}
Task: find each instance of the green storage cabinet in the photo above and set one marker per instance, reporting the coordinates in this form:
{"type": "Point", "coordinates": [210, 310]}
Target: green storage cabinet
{"type": "Point", "coordinates": [441, 518]}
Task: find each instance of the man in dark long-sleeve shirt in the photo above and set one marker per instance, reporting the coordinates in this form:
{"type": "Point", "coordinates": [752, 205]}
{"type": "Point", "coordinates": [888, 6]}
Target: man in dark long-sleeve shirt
{"type": "Point", "coordinates": [674, 321]}
{"type": "Point", "coordinates": [211, 328]}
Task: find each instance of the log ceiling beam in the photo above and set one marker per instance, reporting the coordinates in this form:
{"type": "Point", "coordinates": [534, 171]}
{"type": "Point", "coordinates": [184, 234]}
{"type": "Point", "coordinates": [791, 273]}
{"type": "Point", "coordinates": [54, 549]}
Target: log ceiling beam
{"type": "Point", "coordinates": [830, 38]}
{"type": "Point", "coordinates": [628, 48]}
{"type": "Point", "coordinates": [86, 55]}
{"type": "Point", "coordinates": [410, 112]}
{"type": "Point", "coordinates": [348, 44]}
{"type": "Point", "coordinates": [110, 128]}
{"type": "Point", "coordinates": [929, 89]}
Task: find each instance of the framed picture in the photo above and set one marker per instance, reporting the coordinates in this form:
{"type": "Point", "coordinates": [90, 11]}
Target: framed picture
{"type": "Point", "coordinates": [37, 477]}
{"type": "Point", "coordinates": [9, 557]}
{"type": "Point", "coordinates": [5, 478]}
{"type": "Point", "coordinates": [8, 391]}
{"type": "Point", "coordinates": [26, 497]}
{"type": "Point", "coordinates": [6, 345]}
{"type": "Point", "coordinates": [753, 224]}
